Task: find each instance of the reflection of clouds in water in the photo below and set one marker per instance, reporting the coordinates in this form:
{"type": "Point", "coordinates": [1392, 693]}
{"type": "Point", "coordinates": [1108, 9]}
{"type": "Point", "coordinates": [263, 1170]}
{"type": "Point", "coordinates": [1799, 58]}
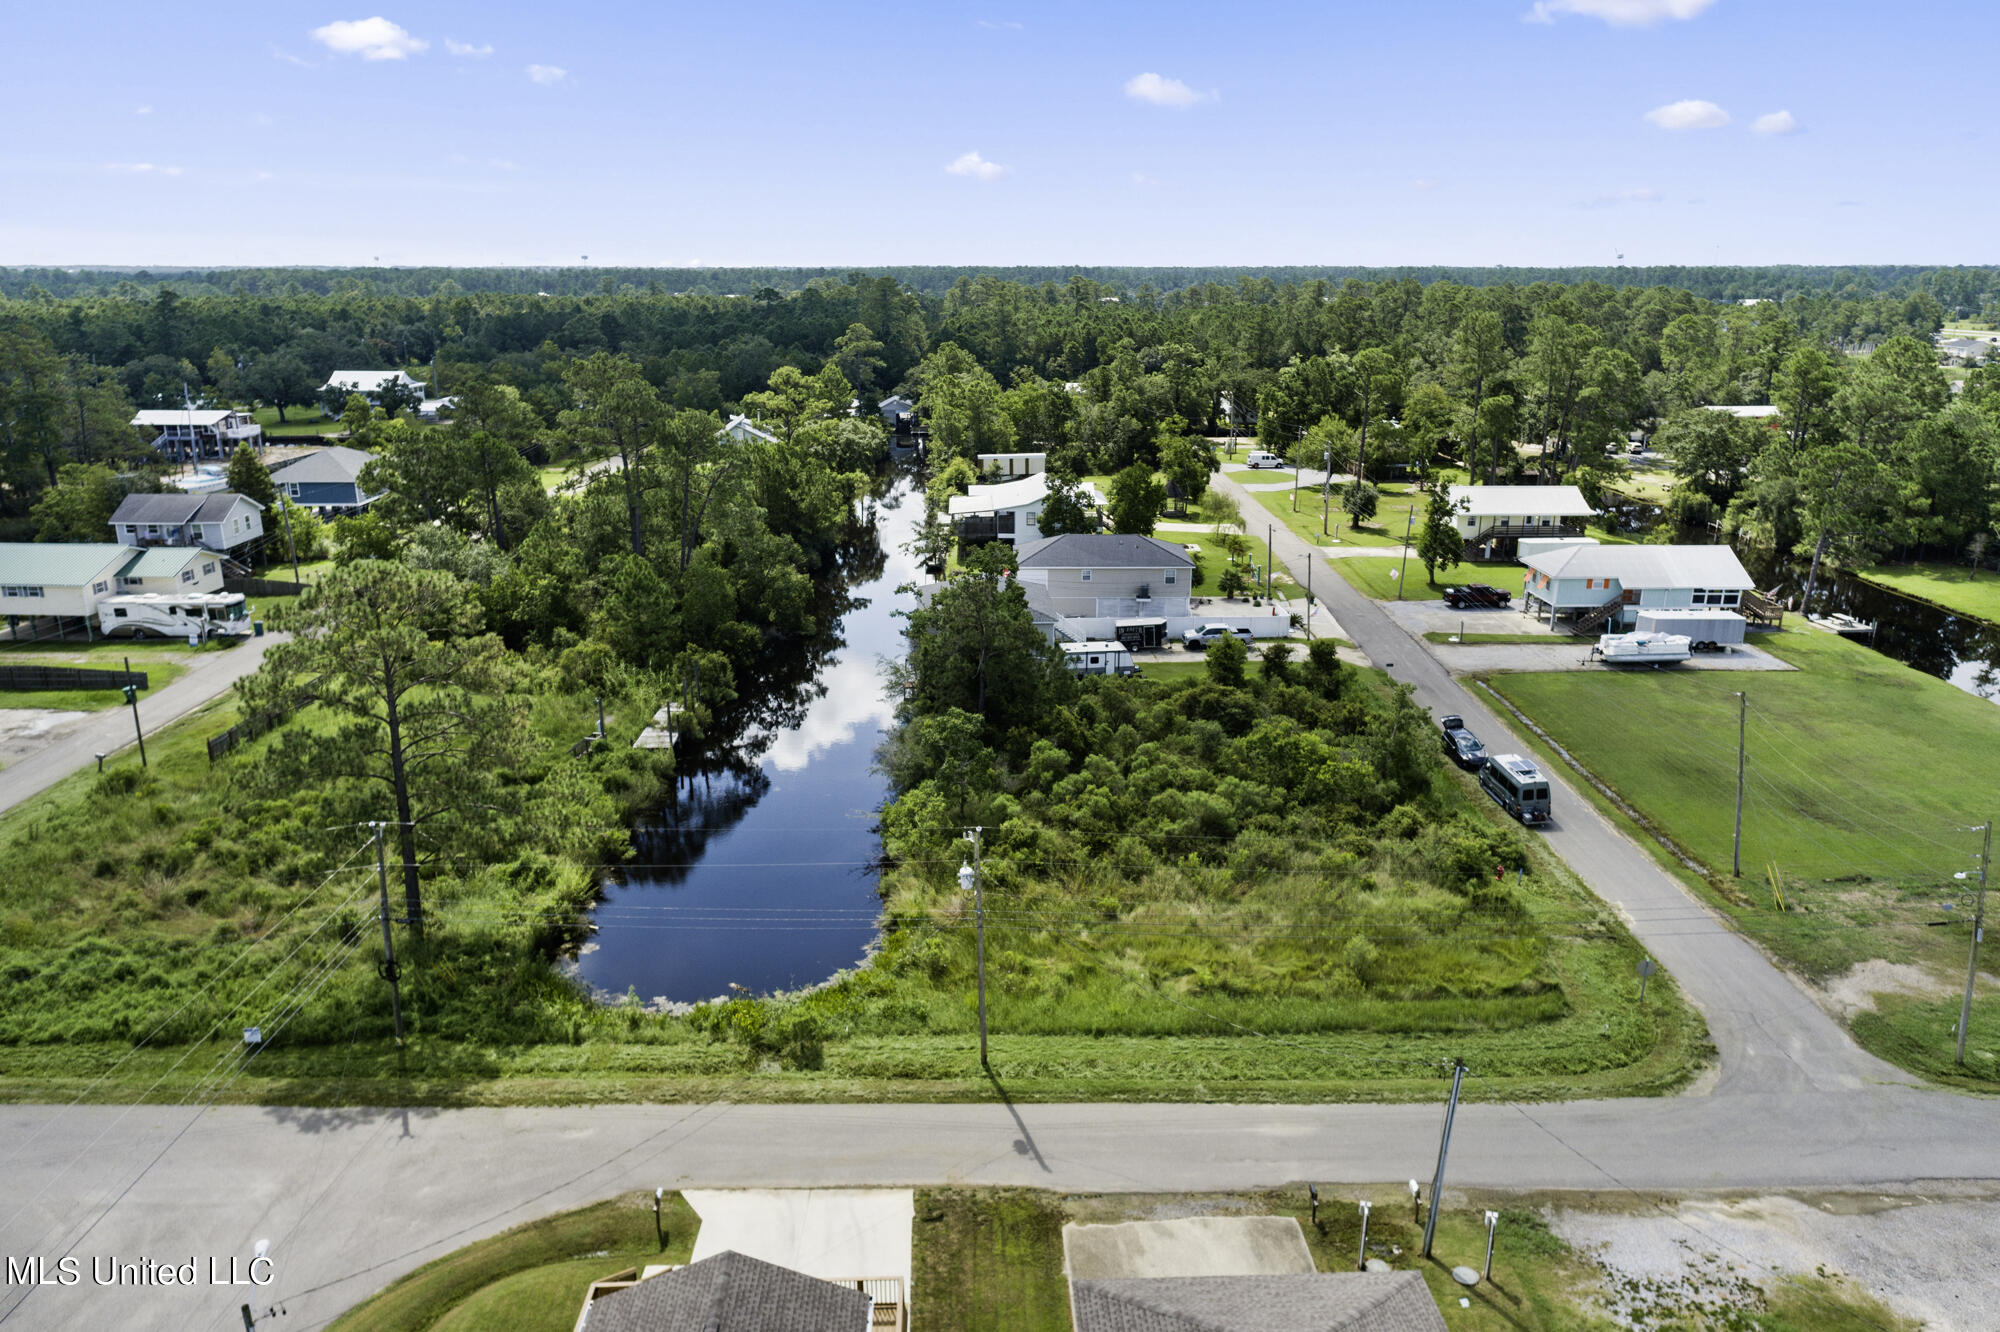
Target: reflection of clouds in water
{"type": "Point", "coordinates": [854, 700]}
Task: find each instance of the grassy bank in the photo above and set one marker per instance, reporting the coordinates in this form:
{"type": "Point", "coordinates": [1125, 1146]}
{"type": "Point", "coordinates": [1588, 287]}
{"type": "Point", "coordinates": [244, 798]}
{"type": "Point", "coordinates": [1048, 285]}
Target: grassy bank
{"type": "Point", "coordinates": [148, 909]}
{"type": "Point", "coordinates": [1863, 776]}
{"type": "Point", "coordinates": [991, 1260]}
{"type": "Point", "coordinates": [1974, 592]}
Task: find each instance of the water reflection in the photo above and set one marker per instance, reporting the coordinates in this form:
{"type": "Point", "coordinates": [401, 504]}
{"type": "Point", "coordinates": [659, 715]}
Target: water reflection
{"type": "Point", "coordinates": [759, 871]}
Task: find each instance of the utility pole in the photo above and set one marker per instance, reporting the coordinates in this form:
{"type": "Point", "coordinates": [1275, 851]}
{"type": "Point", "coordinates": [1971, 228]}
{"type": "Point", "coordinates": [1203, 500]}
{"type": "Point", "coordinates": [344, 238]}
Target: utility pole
{"type": "Point", "coordinates": [1444, 1146]}
{"type": "Point", "coordinates": [132, 697]}
{"type": "Point", "coordinates": [1978, 928]}
{"type": "Point", "coordinates": [1309, 598]}
{"type": "Point", "coordinates": [1742, 716]}
{"type": "Point", "coordinates": [968, 877]}
{"type": "Point", "coordinates": [1270, 556]}
{"type": "Point", "coordinates": [388, 940]}
{"type": "Point", "coordinates": [1409, 517]}
{"type": "Point", "coordinates": [1325, 489]}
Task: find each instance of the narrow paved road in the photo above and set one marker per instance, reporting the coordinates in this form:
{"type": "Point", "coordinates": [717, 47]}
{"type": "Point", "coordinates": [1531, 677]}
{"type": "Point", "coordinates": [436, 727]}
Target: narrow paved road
{"type": "Point", "coordinates": [209, 676]}
{"type": "Point", "coordinates": [349, 1200]}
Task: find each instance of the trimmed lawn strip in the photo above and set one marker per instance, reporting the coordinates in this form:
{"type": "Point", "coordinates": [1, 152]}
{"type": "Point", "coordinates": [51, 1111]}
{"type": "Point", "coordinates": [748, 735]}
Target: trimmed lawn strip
{"type": "Point", "coordinates": [1457, 640]}
{"type": "Point", "coordinates": [1973, 592]}
{"type": "Point", "coordinates": [1863, 832]}
{"type": "Point", "coordinates": [1376, 578]}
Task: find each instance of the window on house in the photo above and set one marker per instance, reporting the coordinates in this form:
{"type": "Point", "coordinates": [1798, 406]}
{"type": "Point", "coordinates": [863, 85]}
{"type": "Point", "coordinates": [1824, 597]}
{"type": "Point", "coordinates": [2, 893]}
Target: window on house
{"type": "Point", "coordinates": [1171, 576]}
{"type": "Point", "coordinates": [208, 566]}
{"type": "Point", "coordinates": [152, 529]}
{"type": "Point", "coordinates": [21, 591]}
{"type": "Point", "coordinates": [100, 587]}
{"type": "Point", "coordinates": [292, 489]}
{"type": "Point", "coordinates": [1086, 575]}
{"type": "Point", "coordinates": [187, 575]}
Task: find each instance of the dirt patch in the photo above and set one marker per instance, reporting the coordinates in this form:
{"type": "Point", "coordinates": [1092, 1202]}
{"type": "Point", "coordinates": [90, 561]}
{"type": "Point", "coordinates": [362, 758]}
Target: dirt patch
{"type": "Point", "coordinates": [1855, 991]}
{"type": "Point", "coordinates": [25, 731]}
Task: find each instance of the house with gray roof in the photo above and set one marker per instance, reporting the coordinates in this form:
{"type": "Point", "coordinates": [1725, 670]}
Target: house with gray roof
{"type": "Point", "coordinates": [219, 520]}
{"type": "Point", "coordinates": [200, 432]}
{"type": "Point", "coordinates": [1609, 585]}
{"type": "Point", "coordinates": [1320, 1302]}
{"type": "Point", "coordinates": [731, 1292]}
{"type": "Point", "coordinates": [327, 481]}
{"type": "Point", "coordinates": [1100, 574]}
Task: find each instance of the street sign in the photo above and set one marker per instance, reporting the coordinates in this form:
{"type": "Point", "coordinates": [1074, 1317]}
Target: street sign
{"type": "Point", "coordinates": [1647, 966]}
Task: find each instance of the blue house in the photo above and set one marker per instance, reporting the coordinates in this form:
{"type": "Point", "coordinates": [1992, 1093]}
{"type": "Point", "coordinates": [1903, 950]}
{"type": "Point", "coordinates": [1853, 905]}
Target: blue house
{"type": "Point", "coordinates": [327, 481]}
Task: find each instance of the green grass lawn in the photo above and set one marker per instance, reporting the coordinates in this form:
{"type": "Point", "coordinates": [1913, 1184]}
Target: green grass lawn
{"type": "Point", "coordinates": [1974, 592]}
{"type": "Point", "coordinates": [1454, 640]}
{"type": "Point", "coordinates": [300, 421]}
{"type": "Point", "coordinates": [1377, 578]}
{"type": "Point", "coordinates": [1863, 776]}
{"type": "Point", "coordinates": [1384, 529]}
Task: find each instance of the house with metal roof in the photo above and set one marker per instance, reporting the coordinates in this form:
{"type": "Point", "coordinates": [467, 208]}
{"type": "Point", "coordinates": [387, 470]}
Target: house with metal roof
{"type": "Point", "coordinates": [327, 481]}
{"type": "Point", "coordinates": [1604, 587]}
{"type": "Point", "coordinates": [220, 520]}
{"type": "Point", "coordinates": [745, 431]}
{"type": "Point", "coordinates": [187, 433]}
{"type": "Point", "coordinates": [1102, 574]}
{"type": "Point", "coordinates": [732, 1292]}
{"type": "Point", "coordinates": [1316, 1302]}
{"type": "Point", "coordinates": [66, 579]}
{"type": "Point", "coordinates": [369, 383]}
{"type": "Point", "coordinates": [1492, 520]}
{"type": "Point", "coordinates": [1009, 512]}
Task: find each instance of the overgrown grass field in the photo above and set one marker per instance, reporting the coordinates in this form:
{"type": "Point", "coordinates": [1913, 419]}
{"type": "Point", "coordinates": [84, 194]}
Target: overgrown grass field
{"type": "Point", "coordinates": [1974, 592]}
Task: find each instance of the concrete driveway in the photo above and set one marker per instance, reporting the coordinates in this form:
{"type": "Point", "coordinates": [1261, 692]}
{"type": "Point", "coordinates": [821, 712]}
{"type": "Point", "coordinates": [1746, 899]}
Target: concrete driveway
{"type": "Point", "coordinates": [833, 1234]}
{"type": "Point", "coordinates": [1189, 1246]}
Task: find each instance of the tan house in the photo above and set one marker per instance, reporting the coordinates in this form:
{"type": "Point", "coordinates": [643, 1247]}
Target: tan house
{"type": "Point", "coordinates": [1103, 575]}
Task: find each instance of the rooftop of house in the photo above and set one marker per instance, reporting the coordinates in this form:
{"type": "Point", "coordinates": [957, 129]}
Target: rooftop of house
{"type": "Point", "coordinates": [210, 507]}
{"type": "Point", "coordinates": [59, 563]}
{"type": "Point", "coordinates": [180, 416]}
{"type": "Point", "coordinates": [745, 424]}
{"type": "Point", "coordinates": [165, 561]}
{"type": "Point", "coordinates": [732, 1292]}
{"type": "Point", "coordinates": [1751, 412]}
{"type": "Point", "coordinates": [1321, 1302]}
{"type": "Point", "coordinates": [1479, 501]}
{"type": "Point", "coordinates": [364, 381]}
{"type": "Point", "coordinates": [335, 462]}
{"type": "Point", "coordinates": [1102, 550]}
{"type": "Point", "coordinates": [1647, 566]}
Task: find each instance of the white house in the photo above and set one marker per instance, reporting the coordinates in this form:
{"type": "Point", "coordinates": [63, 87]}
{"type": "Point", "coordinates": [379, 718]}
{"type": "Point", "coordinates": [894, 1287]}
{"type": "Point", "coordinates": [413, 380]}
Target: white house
{"type": "Point", "coordinates": [1009, 466]}
{"type": "Point", "coordinates": [1749, 412]}
{"type": "Point", "coordinates": [1607, 586]}
{"type": "Point", "coordinates": [894, 406]}
{"type": "Point", "coordinates": [69, 579]}
{"type": "Point", "coordinates": [1098, 575]}
{"type": "Point", "coordinates": [1493, 519]}
{"type": "Point", "coordinates": [1009, 511]}
{"type": "Point", "coordinates": [221, 520]}
{"type": "Point", "coordinates": [745, 431]}
{"type": "Point", "coordinates": [433, 409]}
{"type": "Point", "coordinates": [200, 432]}
{"type": "Point", "coordinates": [368, 383]}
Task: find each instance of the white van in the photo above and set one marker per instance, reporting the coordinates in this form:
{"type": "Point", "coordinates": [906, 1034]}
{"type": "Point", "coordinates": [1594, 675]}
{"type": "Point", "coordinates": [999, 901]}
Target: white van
{"type": "Point", "coordinates": [1263, 459]}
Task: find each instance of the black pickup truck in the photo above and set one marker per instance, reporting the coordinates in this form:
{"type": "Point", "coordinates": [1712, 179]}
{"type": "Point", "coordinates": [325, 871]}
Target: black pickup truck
{"type": "Point", "coordinates": [1476, 594]}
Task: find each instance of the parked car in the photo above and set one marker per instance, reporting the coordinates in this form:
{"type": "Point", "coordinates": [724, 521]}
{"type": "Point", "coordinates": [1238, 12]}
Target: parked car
{"type": "Point", "coordinates": [1197, 640]}
{"type": "Point", "coordinates": [1462, 746]}
{"type": "Point", "coordinates": [1476, 594]}
{"type": "Point", "coordinates": [1263, 459]}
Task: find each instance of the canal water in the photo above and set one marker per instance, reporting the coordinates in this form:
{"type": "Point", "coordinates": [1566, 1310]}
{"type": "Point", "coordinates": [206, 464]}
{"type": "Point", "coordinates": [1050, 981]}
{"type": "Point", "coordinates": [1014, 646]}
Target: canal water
{"type": "Point", "coordinates": [760, 871]}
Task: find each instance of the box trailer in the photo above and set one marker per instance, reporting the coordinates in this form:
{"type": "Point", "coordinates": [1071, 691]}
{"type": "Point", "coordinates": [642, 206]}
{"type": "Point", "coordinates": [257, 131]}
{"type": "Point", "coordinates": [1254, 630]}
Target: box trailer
{"type": "Point", "coordinates": [1706, 629]}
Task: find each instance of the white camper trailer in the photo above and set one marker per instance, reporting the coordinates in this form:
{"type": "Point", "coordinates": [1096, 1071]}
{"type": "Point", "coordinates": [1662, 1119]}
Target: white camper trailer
{"type": "Point", "coordinates": [192, 615]}
{"type": "Point", "coordinates": [1099, 657]}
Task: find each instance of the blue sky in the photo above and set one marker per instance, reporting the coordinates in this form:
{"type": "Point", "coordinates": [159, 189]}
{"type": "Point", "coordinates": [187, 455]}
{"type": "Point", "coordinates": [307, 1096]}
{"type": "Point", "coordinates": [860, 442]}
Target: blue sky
{"type": "Point", "coordinates": [1419, 131]}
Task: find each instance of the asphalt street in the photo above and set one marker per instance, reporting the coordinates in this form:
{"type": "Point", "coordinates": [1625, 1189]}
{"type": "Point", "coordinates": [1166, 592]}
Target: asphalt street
{"type": "Point", "coordinates": [349, 1200]}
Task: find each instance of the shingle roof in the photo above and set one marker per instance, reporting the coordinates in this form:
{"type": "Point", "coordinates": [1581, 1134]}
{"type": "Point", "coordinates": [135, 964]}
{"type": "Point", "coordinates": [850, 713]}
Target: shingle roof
{"type": "Point", "coordinates": [1322, 1302]}
{"type": "Point", "coordinates": [1499, 501]}
{"type": "Point", "coordinates": [165, 561]}
{"type": "Point", "coordinates": [59, 563]}
{"type": "Point", "coordinates": [731, 1293]}
{"type": "Point", "coordinates": [335, 462]}
{"type": "Point", "coordinates": [1647, 566]}
{"type": "Point", "coordinates": [1102, 550]}
{"type": "Point", "coordinates": [212, 507]}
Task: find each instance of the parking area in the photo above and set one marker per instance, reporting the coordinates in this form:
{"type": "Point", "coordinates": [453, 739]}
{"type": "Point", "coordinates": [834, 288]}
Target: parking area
{"type": "Point", "coordinates": [1557, 652]}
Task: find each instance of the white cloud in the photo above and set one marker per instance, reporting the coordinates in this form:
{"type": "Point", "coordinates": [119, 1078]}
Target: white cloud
{"type": "Point", "coordinates": [1141, 179]}
{"type": "Point", "coordinates": [267, 175]}
{"type": "Point", "coordinates": [467, 48]}
{"type": "Point", "coordinates": [278, 53]}
{"type": "Point", "coordinates": [1622, 13]}
{"type": "Point", "coordinates": [972, 164]}
{"type": "Point", "coordinates": [1163, 91]}
{"type": "Point", "coordinates": [1688, 115]}
{"type": "Point", "coordinates": [1006, 26]}
{"type": "Point", "coordinates": [547, 75]}
{"type": "Point", "coordinates": [142, 110]}
{"type": "Point", "coordinates": [370, 38]}
{"type": "Point", "coordinates": [143, 168]}
{"type": "Point", "coordinates": [1778, 122]}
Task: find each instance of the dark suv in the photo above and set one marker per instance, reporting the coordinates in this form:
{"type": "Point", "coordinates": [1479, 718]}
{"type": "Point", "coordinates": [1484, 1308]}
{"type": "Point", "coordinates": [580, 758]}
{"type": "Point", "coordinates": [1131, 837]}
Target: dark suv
{"type": "Point", "coordinates": [1461, 745]}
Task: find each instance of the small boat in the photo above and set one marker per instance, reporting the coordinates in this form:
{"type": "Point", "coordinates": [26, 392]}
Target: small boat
{"type": "Point", "coordinates": [1845, 625]}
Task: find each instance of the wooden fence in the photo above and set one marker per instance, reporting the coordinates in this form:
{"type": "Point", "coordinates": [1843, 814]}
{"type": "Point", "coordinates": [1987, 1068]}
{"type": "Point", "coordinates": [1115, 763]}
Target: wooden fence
{"type": "Point", "coordinates": [247, 729]}
{"type": "Point", "coordinates": [67, 677]}
{"type": "Point", "coordinates": [263, 587]}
